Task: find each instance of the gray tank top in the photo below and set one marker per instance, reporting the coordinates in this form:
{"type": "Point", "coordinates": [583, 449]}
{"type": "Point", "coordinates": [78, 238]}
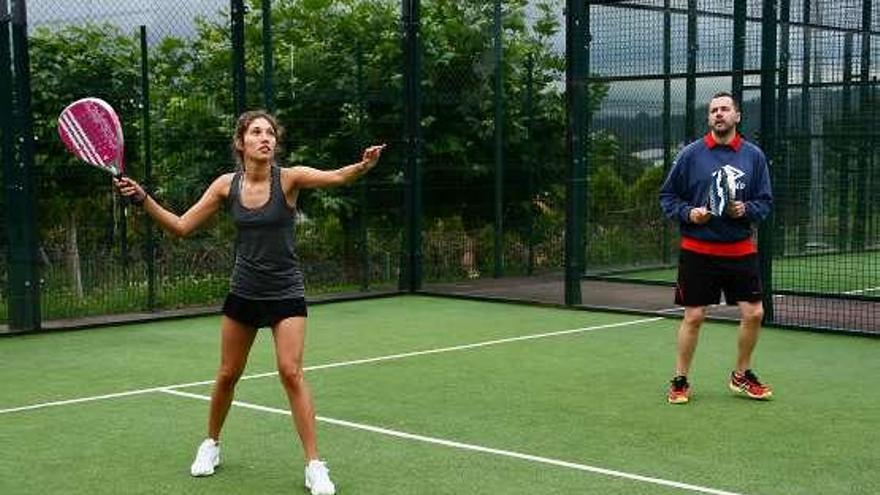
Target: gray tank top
{"type": "Point", "coordinates": [266, 265]}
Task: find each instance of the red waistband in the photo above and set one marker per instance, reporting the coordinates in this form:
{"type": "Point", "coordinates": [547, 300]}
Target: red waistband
{"type": "Point", "coordinates": [731, 249]}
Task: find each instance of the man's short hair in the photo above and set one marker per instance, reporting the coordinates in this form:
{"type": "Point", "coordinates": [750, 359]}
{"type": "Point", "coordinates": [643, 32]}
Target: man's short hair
{"type": "Point", "coordinates": [727, 94]}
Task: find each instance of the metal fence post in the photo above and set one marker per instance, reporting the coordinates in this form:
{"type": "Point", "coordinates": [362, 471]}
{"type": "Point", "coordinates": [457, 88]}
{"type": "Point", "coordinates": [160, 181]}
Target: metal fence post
{"type": "Point", "coordinates": [362, 237]}
{"type": "Point", "coordinates": [800, 216]}
{"type": "Point", "coordinates": [498, 53]}
{"type": "Point", "coordinates": [783, 158]}
{"type": "Point", "coordinates": [7, 149]}
{"type": "Point", "coordinates": [268, 62]}
{"type": "Point", "coordinates": [667, 118]}
{"type": "Point", "coordinates": [577, 95]}
{"type": "Point", "coordinates": [843, 216]}
{"type": "Point", "coordinates": [148, 170]}
{"type": "Point", "coordinates": [411, 270]}
{"type": "Point", "coordinates": [865, 110]}
{"type": "Point", "coordinates": [690, 127]}
{"type": "Point", "coordinates": [18, 175]}
{"type": "Point", "coordinates": [529, 113]}
{"type": "Point", "coordinates": [739, 48]}
{"type": "Point", "coordinates": [239, 96]}
{"type": "Point", "coordinates": [768, 136]}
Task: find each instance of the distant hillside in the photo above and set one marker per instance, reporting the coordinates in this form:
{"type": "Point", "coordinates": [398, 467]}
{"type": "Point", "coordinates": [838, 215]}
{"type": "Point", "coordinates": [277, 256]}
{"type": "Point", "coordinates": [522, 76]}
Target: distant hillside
{"type": "Point", "coordinates": [643, 130]}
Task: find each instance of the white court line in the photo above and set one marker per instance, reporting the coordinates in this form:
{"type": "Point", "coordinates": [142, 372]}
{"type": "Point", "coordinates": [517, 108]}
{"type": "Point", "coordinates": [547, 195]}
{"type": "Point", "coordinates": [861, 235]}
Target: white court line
{"type": "Point", "coordinates": [479, 344]}
{"type": "Point", "coordinates": [330, 365]}
{"type": "Point", "coordinates": [671, 310]}
{"type": "Point", "coordinates": [862, 291]}
{"type": "Point", "coordinates": [675, 309]}
{"type": "Point", "coordinates": [476, 448]}
{"type": "Point", "coordinates": [99, 397]}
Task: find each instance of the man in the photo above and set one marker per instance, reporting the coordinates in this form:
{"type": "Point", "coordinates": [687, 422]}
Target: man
{"type": "Point", "coordinates": [718, 250]}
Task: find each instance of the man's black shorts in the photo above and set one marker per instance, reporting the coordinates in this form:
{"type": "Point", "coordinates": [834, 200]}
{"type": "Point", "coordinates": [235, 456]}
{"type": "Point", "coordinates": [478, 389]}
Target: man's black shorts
{"type": "Point", "coordinates": [263, 313]}
{"type": "Point", "coordinates": [701, 278]}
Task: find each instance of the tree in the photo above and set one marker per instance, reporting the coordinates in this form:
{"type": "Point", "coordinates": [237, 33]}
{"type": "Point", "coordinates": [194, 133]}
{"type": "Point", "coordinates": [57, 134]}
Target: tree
{"type": "Point", "coordinates": [68, 64]}
{"type": "Point", "coordinates": [339, 85]}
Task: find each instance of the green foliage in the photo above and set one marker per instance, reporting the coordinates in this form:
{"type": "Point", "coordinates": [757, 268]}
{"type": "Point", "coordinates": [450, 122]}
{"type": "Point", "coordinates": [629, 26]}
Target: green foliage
{"type": "Point", "coordinates": [607, 193]}
{"type": "Point", "coordinates": [644, 192]}
{"type": "Point", "coordinates": [192, 117]}
{"type": "Point", "coordinates": [458, 112]}
{"type": "Point", "coordinates": [338, 86]}
{"type": "Point", "coordinates": [624, 225]}
{"type": "Point", "coordinates": [67, 64]}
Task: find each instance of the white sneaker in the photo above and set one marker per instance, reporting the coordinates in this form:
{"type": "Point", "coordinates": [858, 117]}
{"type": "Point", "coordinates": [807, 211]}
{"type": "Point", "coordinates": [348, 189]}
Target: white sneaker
{"type": "Point", "coordinates": [207, 458]}
{"type": "Point", "coordinates": [318, 479]}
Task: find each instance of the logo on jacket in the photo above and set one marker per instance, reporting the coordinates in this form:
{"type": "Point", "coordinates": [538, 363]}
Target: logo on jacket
{"type": "Point", "coordinates": [722, 190]}
{"type": "Point", "coordinates": [733, 175]}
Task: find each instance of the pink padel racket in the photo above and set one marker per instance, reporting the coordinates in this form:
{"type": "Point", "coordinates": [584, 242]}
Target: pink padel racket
{"type": "Point", "coordinates": [91, 131]}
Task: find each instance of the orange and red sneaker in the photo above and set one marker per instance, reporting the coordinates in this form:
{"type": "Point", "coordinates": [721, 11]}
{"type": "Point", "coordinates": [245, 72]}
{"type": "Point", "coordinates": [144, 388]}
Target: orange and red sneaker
{"type": "Point", "coordinates": [679, 390]}
{"type": "Point", "coordinates": [747, 384]}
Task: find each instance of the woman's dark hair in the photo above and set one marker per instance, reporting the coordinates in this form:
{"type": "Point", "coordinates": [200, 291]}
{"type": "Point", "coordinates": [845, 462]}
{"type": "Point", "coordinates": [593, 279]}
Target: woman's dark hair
{"type": "Point", "coordinates": [241, 126]}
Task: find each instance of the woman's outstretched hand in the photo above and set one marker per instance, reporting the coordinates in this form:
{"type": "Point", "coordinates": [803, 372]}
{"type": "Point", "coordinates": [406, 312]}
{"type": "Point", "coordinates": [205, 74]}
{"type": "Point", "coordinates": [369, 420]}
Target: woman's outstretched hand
{"type": "Point", "coordinates": [371, 156]}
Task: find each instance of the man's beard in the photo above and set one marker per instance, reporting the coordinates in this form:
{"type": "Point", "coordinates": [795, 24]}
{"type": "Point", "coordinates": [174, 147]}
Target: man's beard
{"type": "Point", "coordinates": [724, 130]}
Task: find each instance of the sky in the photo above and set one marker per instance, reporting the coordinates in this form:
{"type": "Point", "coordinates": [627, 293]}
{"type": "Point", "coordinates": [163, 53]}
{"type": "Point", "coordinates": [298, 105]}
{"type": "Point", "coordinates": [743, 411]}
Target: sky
{"type": "Point", "coordinates": [625, 41]}
{"type": "Point", "coordinates": [162, 17]}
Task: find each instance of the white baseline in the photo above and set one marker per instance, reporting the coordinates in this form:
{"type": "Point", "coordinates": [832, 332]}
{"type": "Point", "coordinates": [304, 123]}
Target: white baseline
{"type": "Point", "coordinates": [355, 362]}
{"type": "Point", "coordinates": [475, 448]}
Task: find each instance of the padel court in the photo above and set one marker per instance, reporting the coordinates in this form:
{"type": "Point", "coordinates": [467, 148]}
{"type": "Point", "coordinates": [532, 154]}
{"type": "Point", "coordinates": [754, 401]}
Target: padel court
{"type": "Point", "coordinates": [435, 395]}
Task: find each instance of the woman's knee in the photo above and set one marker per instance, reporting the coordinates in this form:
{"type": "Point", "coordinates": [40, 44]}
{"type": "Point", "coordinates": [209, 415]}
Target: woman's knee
{"type": "Point", "coordinates": [227, 377]}
{"type": "Point", "coordinates": [291, 376]}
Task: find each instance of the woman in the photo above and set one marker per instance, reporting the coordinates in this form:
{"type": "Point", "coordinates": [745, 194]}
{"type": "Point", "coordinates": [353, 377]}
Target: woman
{"type": "Point", "coordinates": [266, 287]}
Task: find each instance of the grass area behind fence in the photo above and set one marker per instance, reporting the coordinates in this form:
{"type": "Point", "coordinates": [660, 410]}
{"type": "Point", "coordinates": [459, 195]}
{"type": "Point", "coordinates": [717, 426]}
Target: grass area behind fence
{"type": "Point", "coordinates": [844, 273]}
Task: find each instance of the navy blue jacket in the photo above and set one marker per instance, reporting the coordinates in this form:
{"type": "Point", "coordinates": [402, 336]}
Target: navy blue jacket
{"type": "Point", "coordinates": [687, 187]}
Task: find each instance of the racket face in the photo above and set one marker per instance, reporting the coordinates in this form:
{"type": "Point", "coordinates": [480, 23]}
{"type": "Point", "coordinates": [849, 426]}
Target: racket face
{"type": "Point", "coordinates": [91, 130]}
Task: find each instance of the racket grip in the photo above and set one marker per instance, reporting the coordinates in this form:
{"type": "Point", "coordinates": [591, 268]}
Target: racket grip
{"type": "Point", "coordinates": [133, 199]}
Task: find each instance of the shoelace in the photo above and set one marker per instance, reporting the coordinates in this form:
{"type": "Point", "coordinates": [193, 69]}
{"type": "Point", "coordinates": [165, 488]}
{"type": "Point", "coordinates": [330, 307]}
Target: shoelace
{"type": "Point", "coordinates": [751, 377]}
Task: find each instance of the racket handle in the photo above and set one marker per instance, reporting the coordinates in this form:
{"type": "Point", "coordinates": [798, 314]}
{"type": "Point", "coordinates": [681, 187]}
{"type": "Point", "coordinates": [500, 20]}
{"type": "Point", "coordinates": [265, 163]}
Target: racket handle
{"type": "Point", "coordinates": [131, 200]}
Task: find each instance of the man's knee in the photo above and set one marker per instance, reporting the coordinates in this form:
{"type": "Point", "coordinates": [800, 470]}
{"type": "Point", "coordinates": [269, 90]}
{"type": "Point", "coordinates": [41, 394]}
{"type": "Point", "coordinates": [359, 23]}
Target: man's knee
{"type": "Point", "coordinates": [694, 316]}
{"type": "Point", "coordinates": [753, 313]}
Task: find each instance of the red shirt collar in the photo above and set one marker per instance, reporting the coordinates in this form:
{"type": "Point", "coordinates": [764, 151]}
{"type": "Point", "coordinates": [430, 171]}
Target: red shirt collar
{"type": "Point", "coordinates": [735, 143]}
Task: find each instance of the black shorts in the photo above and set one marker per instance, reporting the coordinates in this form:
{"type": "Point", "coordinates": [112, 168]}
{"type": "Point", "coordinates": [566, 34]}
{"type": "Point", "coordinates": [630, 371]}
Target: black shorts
{"type": "Point", "coordinates": [701, 278]}
{"type": "Point", "coordinates": [263, 313]}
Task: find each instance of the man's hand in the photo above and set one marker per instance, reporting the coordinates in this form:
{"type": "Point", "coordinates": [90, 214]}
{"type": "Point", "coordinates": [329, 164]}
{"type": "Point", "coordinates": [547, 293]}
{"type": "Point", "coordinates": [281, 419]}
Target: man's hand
{"type": "Point", "coordinates": [699, 215]}
{"type": "Point", "coordinates": [737, 209]}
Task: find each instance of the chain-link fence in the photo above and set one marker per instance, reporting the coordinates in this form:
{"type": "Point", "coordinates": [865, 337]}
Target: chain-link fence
{"type": "Point", "coordinates": [331, 74]}
{"type": "Point", "coordinates": [823, 240]}
{"type": "Point", "coordinates": [527, 143]}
